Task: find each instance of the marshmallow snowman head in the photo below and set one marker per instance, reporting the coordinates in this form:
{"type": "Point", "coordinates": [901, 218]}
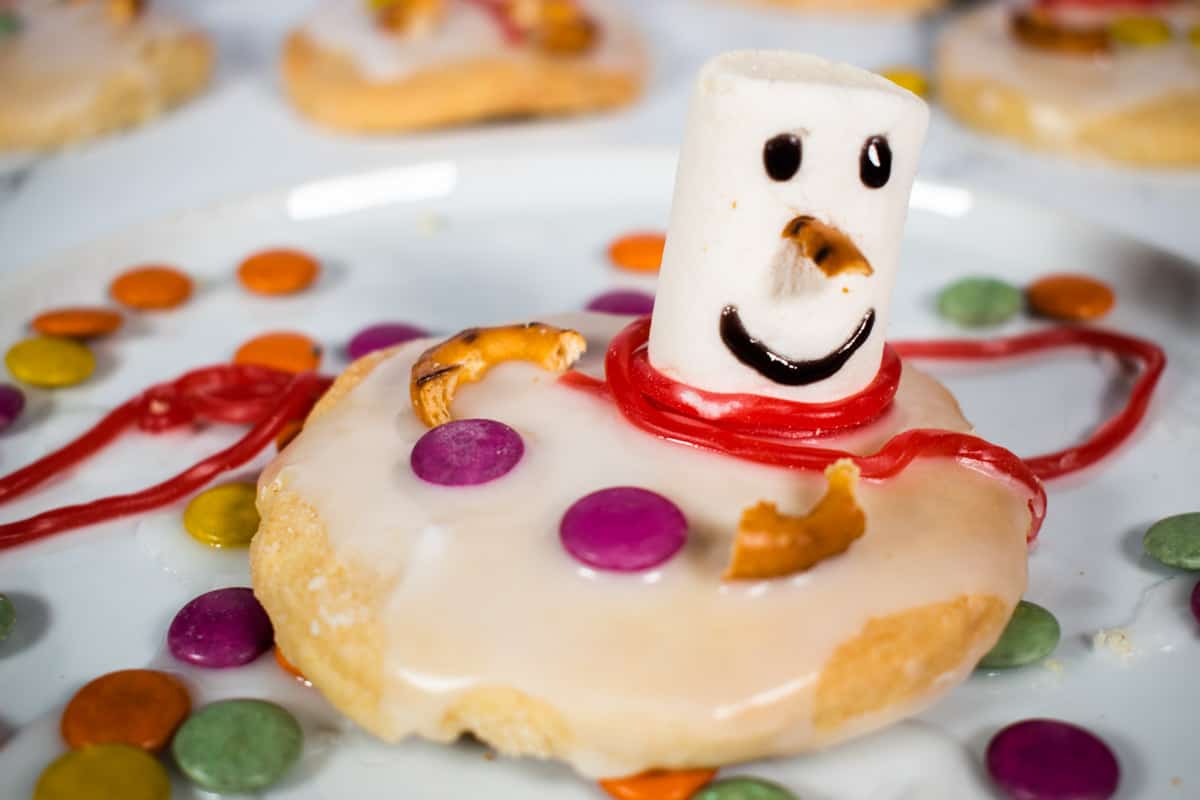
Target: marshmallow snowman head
{"type": "Point", "coordinates": [790, 200]}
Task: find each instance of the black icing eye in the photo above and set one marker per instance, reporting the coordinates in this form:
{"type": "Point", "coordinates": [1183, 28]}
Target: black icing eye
{"type": "Point", "coordinates": [782, 155]}
{"type": "Point", "coordinates": [875, 163]}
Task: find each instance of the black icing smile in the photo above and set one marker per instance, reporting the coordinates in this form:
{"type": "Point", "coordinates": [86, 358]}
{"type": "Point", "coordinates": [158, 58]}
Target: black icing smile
{"type": "Point", "coordinates": [784, 370]}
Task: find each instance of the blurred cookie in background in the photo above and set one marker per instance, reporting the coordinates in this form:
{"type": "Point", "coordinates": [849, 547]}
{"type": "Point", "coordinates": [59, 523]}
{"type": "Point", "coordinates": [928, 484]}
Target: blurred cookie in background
{"type": "Point", "coordinates": [76, 69]}
{"type": "Point", "coordinates": [381, 66]}
{"type": "Point", "coordinates": [1110, 79]}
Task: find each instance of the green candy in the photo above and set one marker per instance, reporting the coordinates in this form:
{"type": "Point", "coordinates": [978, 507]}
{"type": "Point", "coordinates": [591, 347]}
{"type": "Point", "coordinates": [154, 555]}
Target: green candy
{"type": "Point", "coordinates": [743, 787]}
{"type": "Point", "coordinates": [237, 745]}
{"type": "Point", "coordinates": [1175, 541]}
{"type": "Point", "coordinates": [8, 615]}
{"type": "Point", "coordinates": [1031, 635]}
{"type": "Point", "coordinates": [10, 23]}
{"type": "Point", "coordinates": [976, 302]}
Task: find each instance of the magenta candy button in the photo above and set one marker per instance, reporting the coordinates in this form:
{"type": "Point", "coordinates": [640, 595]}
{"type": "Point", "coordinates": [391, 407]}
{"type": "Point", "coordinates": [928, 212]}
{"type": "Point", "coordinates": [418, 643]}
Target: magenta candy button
{"type": "Point", "coordinates": [221, 628]}
{"type": "Point", "coordinates": [623, 301]}
{"type": "Point", "coordinates": [12, 403]}
{"type": "Point", "coordinates": [1044, 759]}
{"type": "Point", "coordinates": [467, 452]}
{"type": "Point", "coordinates": [623, 529]}
{"type": "Point", "coordinates": [1196, 602]}
{"type": "Point", "coordinates": [383, 335]}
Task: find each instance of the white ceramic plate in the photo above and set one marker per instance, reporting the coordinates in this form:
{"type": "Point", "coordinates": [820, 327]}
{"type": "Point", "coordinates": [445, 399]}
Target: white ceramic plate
{"type": "Point", "coordinates": [453, 243]}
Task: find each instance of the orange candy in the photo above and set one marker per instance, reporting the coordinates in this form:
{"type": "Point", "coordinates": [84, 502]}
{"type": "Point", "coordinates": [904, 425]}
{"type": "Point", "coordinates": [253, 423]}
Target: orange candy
{"type": "Point", "coordinates": [639, 252]}
{"type": "Point", "coordinates": [1075, 298]}
{"type": "Point", "coordinates": [659, 784]}
{"type": "Point", "coordinates": [138, 707]}
{"type": "Point", "coordinates": [288, 667]}
{"type": "Point", "coordinates": [289, 352]}
{"type": "Point", "coordinates": [151, 288]}
{"type": "Point", "coordinates": [278, 272]}
{"type": "Point", "coordinates": [77, 323]}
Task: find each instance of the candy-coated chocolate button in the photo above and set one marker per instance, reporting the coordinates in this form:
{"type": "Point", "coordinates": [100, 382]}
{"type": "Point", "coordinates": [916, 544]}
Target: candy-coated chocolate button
{"type": "Point", "coordinates": [12, 403]}
{"type": "Point", "coordinates": [743, 787]}
{"type": "Point", "coordinates": [1140, 31]}
{"type": "Point", "coordinates": [658, 784]}
{"type": "Point", "coordinates": [137, 707]}
{"type": "Point", "coordinates": [639, 252]}
{"type": "Point", "coordinates": [280, 271]}
{"type": "Point", "coordinates": [381, 336]}
{"type": "Point", "coordinates": [1175, 541]}
{"type": "Point", "coordinates": [1044, 759]}
{"type": "Point", "coordinates": [288, 352]}
{"type": "Point", "coordinates": [223, 516]}
{"type": "Point", "coordinates": [466, 452]}
{"type": "Point", "coordinates": [10, 23]}
{"type": "Point", "coordinates": [975, 302]}
{"type": "Point", "coordinates": [1194, 35]}
{"type": "Point", "coordinates": [104, 772]}
{"type": "Point", "coordinates": [152, 288]}
{"type": "Point", "coordinates": [1031, 635]}
{"type": "Point", "coordinates": [289, 667]}
{"type": "Point", "coordinates": [623, 301]}
{"type": "Point", "coordinates": [909, 78]}
{"type": "Point", "coordinates": [623, 529]}
{"type": "Point", "coordinates": [1195, 608]}
{"type": "Point", "coordinates": [1074, 298]}
{"type": "Point", "coordinates": [77, 323]}
{"type": "Point", "coordinates": [237, 745]}
{"type": "Point", "coordinates": [8, 617]}
{"type": "Point", "coordinates": [221, 628]}
{"type": "Point", "coordinates": [50, 362]}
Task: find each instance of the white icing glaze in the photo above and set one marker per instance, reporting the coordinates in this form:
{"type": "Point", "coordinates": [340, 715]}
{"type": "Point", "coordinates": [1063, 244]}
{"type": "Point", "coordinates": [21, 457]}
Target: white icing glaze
{"type": "Point", "coordinates": [65, 53]}
{"type": "Point", "coordinates": [488, 597]}
{"type": "Point", "coordinates": [1067, 91]}
{"type": "Point", "coordinates": [724, 243]}
{"type": "Point", "coordinates": [466, 34]}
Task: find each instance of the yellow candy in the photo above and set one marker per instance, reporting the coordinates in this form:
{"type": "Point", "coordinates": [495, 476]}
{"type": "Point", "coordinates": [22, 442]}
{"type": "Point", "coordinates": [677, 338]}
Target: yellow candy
{"type": "Point", "coordinates": [1140, 31]}
{"type": "Point", "coordinates": [223, 516]}
{"type": "Point", "coordinates": [50, 362]}
{"type": "Point", "coordinates": [1194, 35]}
{"type": "Point", "coordinates": [104, 772]}
{"type": "Point", "coordinates": [908, 78]}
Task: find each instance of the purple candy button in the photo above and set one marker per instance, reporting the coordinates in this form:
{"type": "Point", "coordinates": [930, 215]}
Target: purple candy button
{"type": "Point", "coordinates": [377, 337]}
{"type": "Point", "coordinates": [623, 301]}
{"type": "Point", "coordinates": [221, 628]}
{"type": "Point", "coordinates": [12, 403]}
{"type": "Point", "coordinates": [1196, 602]}
{"type": "Point", "coordinates": [466, 452]}
{"type": "Point", "coordinates": [623, 529]}
{"type": "Point", "coordinates": [1044, 759]}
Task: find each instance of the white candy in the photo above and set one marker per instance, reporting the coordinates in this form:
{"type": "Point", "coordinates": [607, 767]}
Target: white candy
{"type": "Point", "coordinates": [725, 246]}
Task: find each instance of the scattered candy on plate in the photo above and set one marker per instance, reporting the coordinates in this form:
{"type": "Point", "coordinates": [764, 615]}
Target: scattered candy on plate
{"type": "Point", "coordinates": [980, 301]}
{"type": "Point", "coordinates": [743, 787]}
{"type": "Point", "coordinates": [1031, 634]}
{"type": "Point", "coordinates": [223, 516]}
{"type": "Point", "coordinates": [623, 301]}
{"type": "Point", "coordinates": [1072, 298]}
{"type": "Point", "coordinates": [661, 784]}
{"type": "Point", "coordinates": [381, 336]}
{"type": "Point", "coordinates": [1045, 759]}
{"type": "Point", "coordinates": [220, 629]}
{"type": "Point", "coordinates": [638, 252]}
{"type": "Point", "coordinates": [278, 272]}
{"type": "Point", "coordinates": [104, 772]}
{"type": "Point", "coordinates": [236, 746]}
{"type": "Point", "coordinates": [152, 288]}
{"type": "Point", "coordinates": [8, 617]}
{"type": "Point", "coordinates": [50, 362]}
{"type": "Point", "coordinates": [285, 351]}
{"type": "Point", "coordinates": [1175, 541]}
{"type": "Point", "coordinates": [137, 707]}
{"type": "Point", "coordinates": [78, 323]}
{"type": "Point", "coordinates": [12, 403]}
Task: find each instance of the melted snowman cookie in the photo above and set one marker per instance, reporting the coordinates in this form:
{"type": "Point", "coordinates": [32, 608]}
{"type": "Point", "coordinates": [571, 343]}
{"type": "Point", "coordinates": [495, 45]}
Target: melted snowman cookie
{"type": "Point", "coordinates": [1113, 79]}
{"type": "Point", "coordinates": [76, 70]}
{"type": "Point", "coordinates": [741, 529]}
{"type": "Point", "coordinates": [397, 65]}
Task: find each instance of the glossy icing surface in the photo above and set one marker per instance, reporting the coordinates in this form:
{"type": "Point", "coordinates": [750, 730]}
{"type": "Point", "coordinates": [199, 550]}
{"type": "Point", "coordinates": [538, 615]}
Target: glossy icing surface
{"type": "Point", "coordinates": [467, 33]}
{"type": "Point", "coordinates": [65, 53]}
{"type": "Point", "coordinates": [480, 570]}
{"type": "Point", "coordinates": [980, 46]}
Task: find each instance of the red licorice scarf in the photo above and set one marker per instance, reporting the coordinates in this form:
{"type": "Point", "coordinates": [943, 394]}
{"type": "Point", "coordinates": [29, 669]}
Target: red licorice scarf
{"type": "Point", "coordinates": [767, 430]}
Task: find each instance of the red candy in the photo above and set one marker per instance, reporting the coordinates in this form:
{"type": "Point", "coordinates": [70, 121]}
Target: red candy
{"type": "Point", "coordinates": [1044, 759]}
